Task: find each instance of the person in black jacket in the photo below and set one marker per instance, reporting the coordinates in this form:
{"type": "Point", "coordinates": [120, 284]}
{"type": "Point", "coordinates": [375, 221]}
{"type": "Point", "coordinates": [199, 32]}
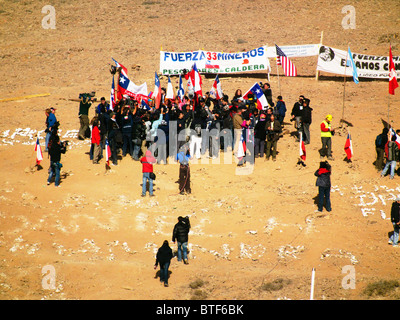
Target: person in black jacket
{"type": "Point", "coordinates": [163, 258]}
{"type": "Point", "coordinates": [55, 148]}
{"type": "Point", "coordinates": [306, 120]}
{"type": "Point", "coordinates": [260, 135]}
{"type": "Point", "coordinates": [380, 142]}
{"type": "Point", "coordinates": [395, 218]}
{"type": "Point", "coordinates": [323, 183]}
{"type": "Point", "coordinates": [181, 235]}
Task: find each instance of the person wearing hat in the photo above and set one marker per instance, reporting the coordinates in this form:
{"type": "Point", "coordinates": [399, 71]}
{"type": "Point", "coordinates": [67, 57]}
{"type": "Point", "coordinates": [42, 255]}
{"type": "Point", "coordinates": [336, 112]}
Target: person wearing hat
{"type": "Point", "coordinates": [326, 138]}
{"type": "Point", "coordinates": [395, 218]}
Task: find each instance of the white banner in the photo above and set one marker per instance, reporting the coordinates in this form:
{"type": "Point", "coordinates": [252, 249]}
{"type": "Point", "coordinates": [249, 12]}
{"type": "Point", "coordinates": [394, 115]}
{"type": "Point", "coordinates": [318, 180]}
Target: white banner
{"type": "Point", "coordinates": [334, 61]}
{"type": "Point", "coordinates": [173, 63]}
{"type": "Point", "coordinates": [305, 50]}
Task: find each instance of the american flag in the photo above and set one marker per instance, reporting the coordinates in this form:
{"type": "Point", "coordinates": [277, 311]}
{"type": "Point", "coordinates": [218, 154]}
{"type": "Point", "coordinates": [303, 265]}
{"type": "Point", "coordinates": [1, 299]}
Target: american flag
{"type": "Point", "coordinates": [288, 67]}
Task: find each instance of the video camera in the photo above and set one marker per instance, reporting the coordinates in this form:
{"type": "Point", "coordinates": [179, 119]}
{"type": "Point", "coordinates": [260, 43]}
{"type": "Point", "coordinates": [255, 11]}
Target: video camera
{"type": "Point", "coordinates": [86, 97]}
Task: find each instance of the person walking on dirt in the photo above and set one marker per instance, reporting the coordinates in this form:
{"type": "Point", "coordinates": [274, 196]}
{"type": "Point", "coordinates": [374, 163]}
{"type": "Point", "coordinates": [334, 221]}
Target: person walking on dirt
{"type": "Point", "coordinates": [395, 218]}
{"type": "Point", "coordinates": [380, 143]}
{"type": "Point", "coordinates": [147, 170]}
{"type": "Point", "coordinates": [392, 156]}
{"type": "Point", "coordinates": [184, 171]}
{"type": "Point", "coordinates": [326, 138]}
{"type": "Point", "coordinates": [323, 183]}
{"type": "Point", "coordinates": [163, 258]}
{"type": "Point", "coordinates": [181, 235]}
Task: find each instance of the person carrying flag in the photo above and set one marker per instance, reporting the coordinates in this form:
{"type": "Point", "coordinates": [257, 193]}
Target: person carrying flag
{"type": "Point", "coordinates": [392, 156]}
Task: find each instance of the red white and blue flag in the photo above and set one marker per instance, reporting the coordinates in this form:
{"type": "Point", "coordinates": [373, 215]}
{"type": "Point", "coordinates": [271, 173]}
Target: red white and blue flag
{"type": "Point", "coordinates": [170, 90]}
{"type": "Point", "coordinates": [256, 90]}
{"type": "Point", "coordinates": [210, 65]}
{"type": "Point", "coordinates": [124, 71]}
{"type": "Point", "coordinates": [302, 148]}
{"type": "Point", "coordinates": [112, 96]}
{"type": "Point", "coordinates": [157, 91]}
{"type": "Point", "coordinates": [288, 67]}
{"type": "Point", "coordinates": [195, 80]}
{"type": "Point", "coordinates": [181, 91]}
{"type": "Point", "coordinates": [38, 150]}
{"type": "Point", "coordinates": [393, 84]}
{"type": "Point", "coordinates": [108, 153]}
{"type": "Point", "coordinates": [216, 90]}
{"type": "Point", "coordinates": [393, 133]}
{"type": "Point", "coordinates": [348, 147]}
{"type": "Point", "coordinates": [127, 87]}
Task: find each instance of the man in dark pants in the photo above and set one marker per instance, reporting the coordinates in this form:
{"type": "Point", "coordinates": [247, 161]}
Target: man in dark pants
{"type": "Point", "coordinates": [163, 258]}
{"type": "Point", "coordinates": [323, 183]}
{"type": "Point", "coordinates": [380, 143]}
{"type": "Point", "coordinates": [184, 171]}
{"type": "Point", "coordinates": [395, 218]}
{"type": "Point", "coordinates": [273, 130]}
{"type": "Point", "coordinates": [181, 235]}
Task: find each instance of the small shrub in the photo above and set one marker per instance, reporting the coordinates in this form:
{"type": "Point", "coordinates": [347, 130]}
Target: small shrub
{"type": "Point", "coordinates": [196, 284]}
{"type": "Point", "coordinates": [199, 295]}
{"type": "Point", "coordinates": [275, 285]}
{"type": "Point", "coordinates": [381, 288]}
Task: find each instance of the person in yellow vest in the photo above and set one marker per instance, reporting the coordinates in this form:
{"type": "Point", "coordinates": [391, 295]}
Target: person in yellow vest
{"type": "Point", "coordinates": [326, 138]}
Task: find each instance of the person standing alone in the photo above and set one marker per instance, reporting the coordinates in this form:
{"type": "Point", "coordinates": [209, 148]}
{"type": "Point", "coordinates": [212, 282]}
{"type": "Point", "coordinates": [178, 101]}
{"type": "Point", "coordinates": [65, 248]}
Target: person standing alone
{"type": "Point", "coordinates": [395, 218]}
{"type": "Point", "coordinates": [326, 137]}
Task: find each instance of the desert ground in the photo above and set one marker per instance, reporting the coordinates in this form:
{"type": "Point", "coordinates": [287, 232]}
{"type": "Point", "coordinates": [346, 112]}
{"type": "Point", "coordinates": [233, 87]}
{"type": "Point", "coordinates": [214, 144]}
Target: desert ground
{"type": "Point", "coordinates": [254, 236]}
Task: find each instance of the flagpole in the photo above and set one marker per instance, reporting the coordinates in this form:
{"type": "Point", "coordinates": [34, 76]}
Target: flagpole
{"type": "Point", "coordinates": [390, 45]}
{"type": "Point", "coordinates": [320, 44]}
{"type": "Point", "coordinates": [344, 87]}
{"type": "Point", "coordinates": [277, 71]}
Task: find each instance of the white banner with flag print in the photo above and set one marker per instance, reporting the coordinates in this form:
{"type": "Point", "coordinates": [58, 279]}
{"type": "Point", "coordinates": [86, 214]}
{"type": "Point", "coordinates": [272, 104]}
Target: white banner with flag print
{"type": "Point", "coordinates": [173, 63]}
{"type": "Point", "coordinates": [333, 60]}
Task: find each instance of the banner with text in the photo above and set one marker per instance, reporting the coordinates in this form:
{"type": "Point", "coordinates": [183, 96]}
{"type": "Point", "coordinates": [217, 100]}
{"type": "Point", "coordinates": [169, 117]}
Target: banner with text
{"type": "Point", "coordinates": [173, 63]}
{"type": "Point", "coordinates": [334, 61]}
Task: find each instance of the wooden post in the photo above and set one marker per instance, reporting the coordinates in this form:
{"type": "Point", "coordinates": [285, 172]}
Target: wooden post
{"type": "Point", "coordinates": [344, 88]}
{"type": "Point", "coordinates": [320, 44]}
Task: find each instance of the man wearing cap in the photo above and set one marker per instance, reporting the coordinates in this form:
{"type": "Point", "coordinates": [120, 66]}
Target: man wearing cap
{"type": "Point", "coordinates": [395, 218]}
{"type": "Point", "coordinates": [84, 105]}
{"type": "Point", "coordinates": [326, 138]}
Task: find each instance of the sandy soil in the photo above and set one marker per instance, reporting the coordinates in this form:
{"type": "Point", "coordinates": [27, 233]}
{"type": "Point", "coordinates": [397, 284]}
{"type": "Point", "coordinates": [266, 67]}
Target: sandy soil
{"type": "Point", "coordinates": [96, 231]}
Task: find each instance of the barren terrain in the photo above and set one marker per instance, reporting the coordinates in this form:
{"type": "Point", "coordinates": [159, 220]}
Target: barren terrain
{"type": "Point", "coordinates": [248, 230]}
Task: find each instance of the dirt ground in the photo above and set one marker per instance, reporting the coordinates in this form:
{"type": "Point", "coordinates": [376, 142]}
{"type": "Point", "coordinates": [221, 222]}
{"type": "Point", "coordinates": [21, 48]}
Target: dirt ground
{"type": "Point", "coordinates": [100, 237]}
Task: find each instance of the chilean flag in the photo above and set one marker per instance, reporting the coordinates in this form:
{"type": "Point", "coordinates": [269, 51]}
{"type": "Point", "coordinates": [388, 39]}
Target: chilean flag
{"type": "Point", "coordinates": [38, 150]}
{"type": "Point", "coordinates": [170, 90]}
{"type": "Point", "coordinates": [393, 133]}
{"type": "Point", "coordinates": [195, 79]}
{"type": "Point", "coordinates": [302, 148]}
{"type": "Point", "coordinates": [112, 96]}
{"type": "Point", "coordinates": [348, 147]}
{"type": "Point", "coordinates": [157, 91]}
{"type": "Point", "coordinates": [216, 90]}
{"type": "Point", "coordinates": [124, 71]}
{"type": "Point", "coordinates": [262, 102]}
{"type": "Point", "coordinates": [108, 153]}
{"type": "Point", "coordinates": [127, 87]}
{"type": "Point", "coordinates": [181, 91]}
{"type": "Point", "coordinates": [392, 74]}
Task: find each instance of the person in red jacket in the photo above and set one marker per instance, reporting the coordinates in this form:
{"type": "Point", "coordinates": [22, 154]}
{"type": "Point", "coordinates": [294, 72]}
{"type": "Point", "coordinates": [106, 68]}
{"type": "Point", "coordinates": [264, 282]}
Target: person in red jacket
{"type": "Point", "coordinates": [96, 142]}
{"type": "Point", "coordinates": [147, 168]}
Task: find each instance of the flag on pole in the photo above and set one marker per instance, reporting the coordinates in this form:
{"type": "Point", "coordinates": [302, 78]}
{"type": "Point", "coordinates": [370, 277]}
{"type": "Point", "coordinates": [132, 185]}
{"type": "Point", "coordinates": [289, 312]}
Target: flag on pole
{"type": "Point", "coordinates": [108, 153]}
{"type": "Point", "coordinates": [350, 63]}
{"type": "Point", "coordinates": [157, 91]}
{"type": "Point", "coordinates": [393, 133]}
{"type": "Point", "coordinates": [112, 95]}
{"type": "Point", "coordinates": [129, 88]}
{"type": "Point", "coordinates": [392, 74]}
{"type": "Point", "coordinates": [170, 90]}
{"type": "Point", "coordinates": [262, 102]}
{"type": "Point", "coordinates": [181, 91]}
{"type": "Point", "coordinates": [302, 148]}
{"type": "Point", "coordinates": [124, 71]}
{"type": "Point", "coordinates": [288, 67]}
{"type": "Point", "coordinates": [216, 90]}
{"type": "Point", "coordinates": [242, 147]}
{"type": "Point", "coordinates": [38, 150]}
{"type": "Point", "coordinates": [348, 147]}
{"type": "Point", "coordinates": [195, 80]}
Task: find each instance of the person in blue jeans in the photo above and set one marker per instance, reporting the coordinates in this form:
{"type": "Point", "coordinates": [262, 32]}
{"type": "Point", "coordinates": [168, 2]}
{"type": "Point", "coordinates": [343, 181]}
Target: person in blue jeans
{"type": "Point", "coordinates": [323, 183]}
{"type": "Point", "coordinates": [147, 168]}
{"type": "Point", "coordinates": [181, 235]}
{"type": "Point", "coordinates": [55, 149]}
{"type": "Point", "coordinates": [163, 258]}
{"type": "Point", "coordinates": [395, 218]}
{"type": "Point", "coordinates": [392, 155]}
